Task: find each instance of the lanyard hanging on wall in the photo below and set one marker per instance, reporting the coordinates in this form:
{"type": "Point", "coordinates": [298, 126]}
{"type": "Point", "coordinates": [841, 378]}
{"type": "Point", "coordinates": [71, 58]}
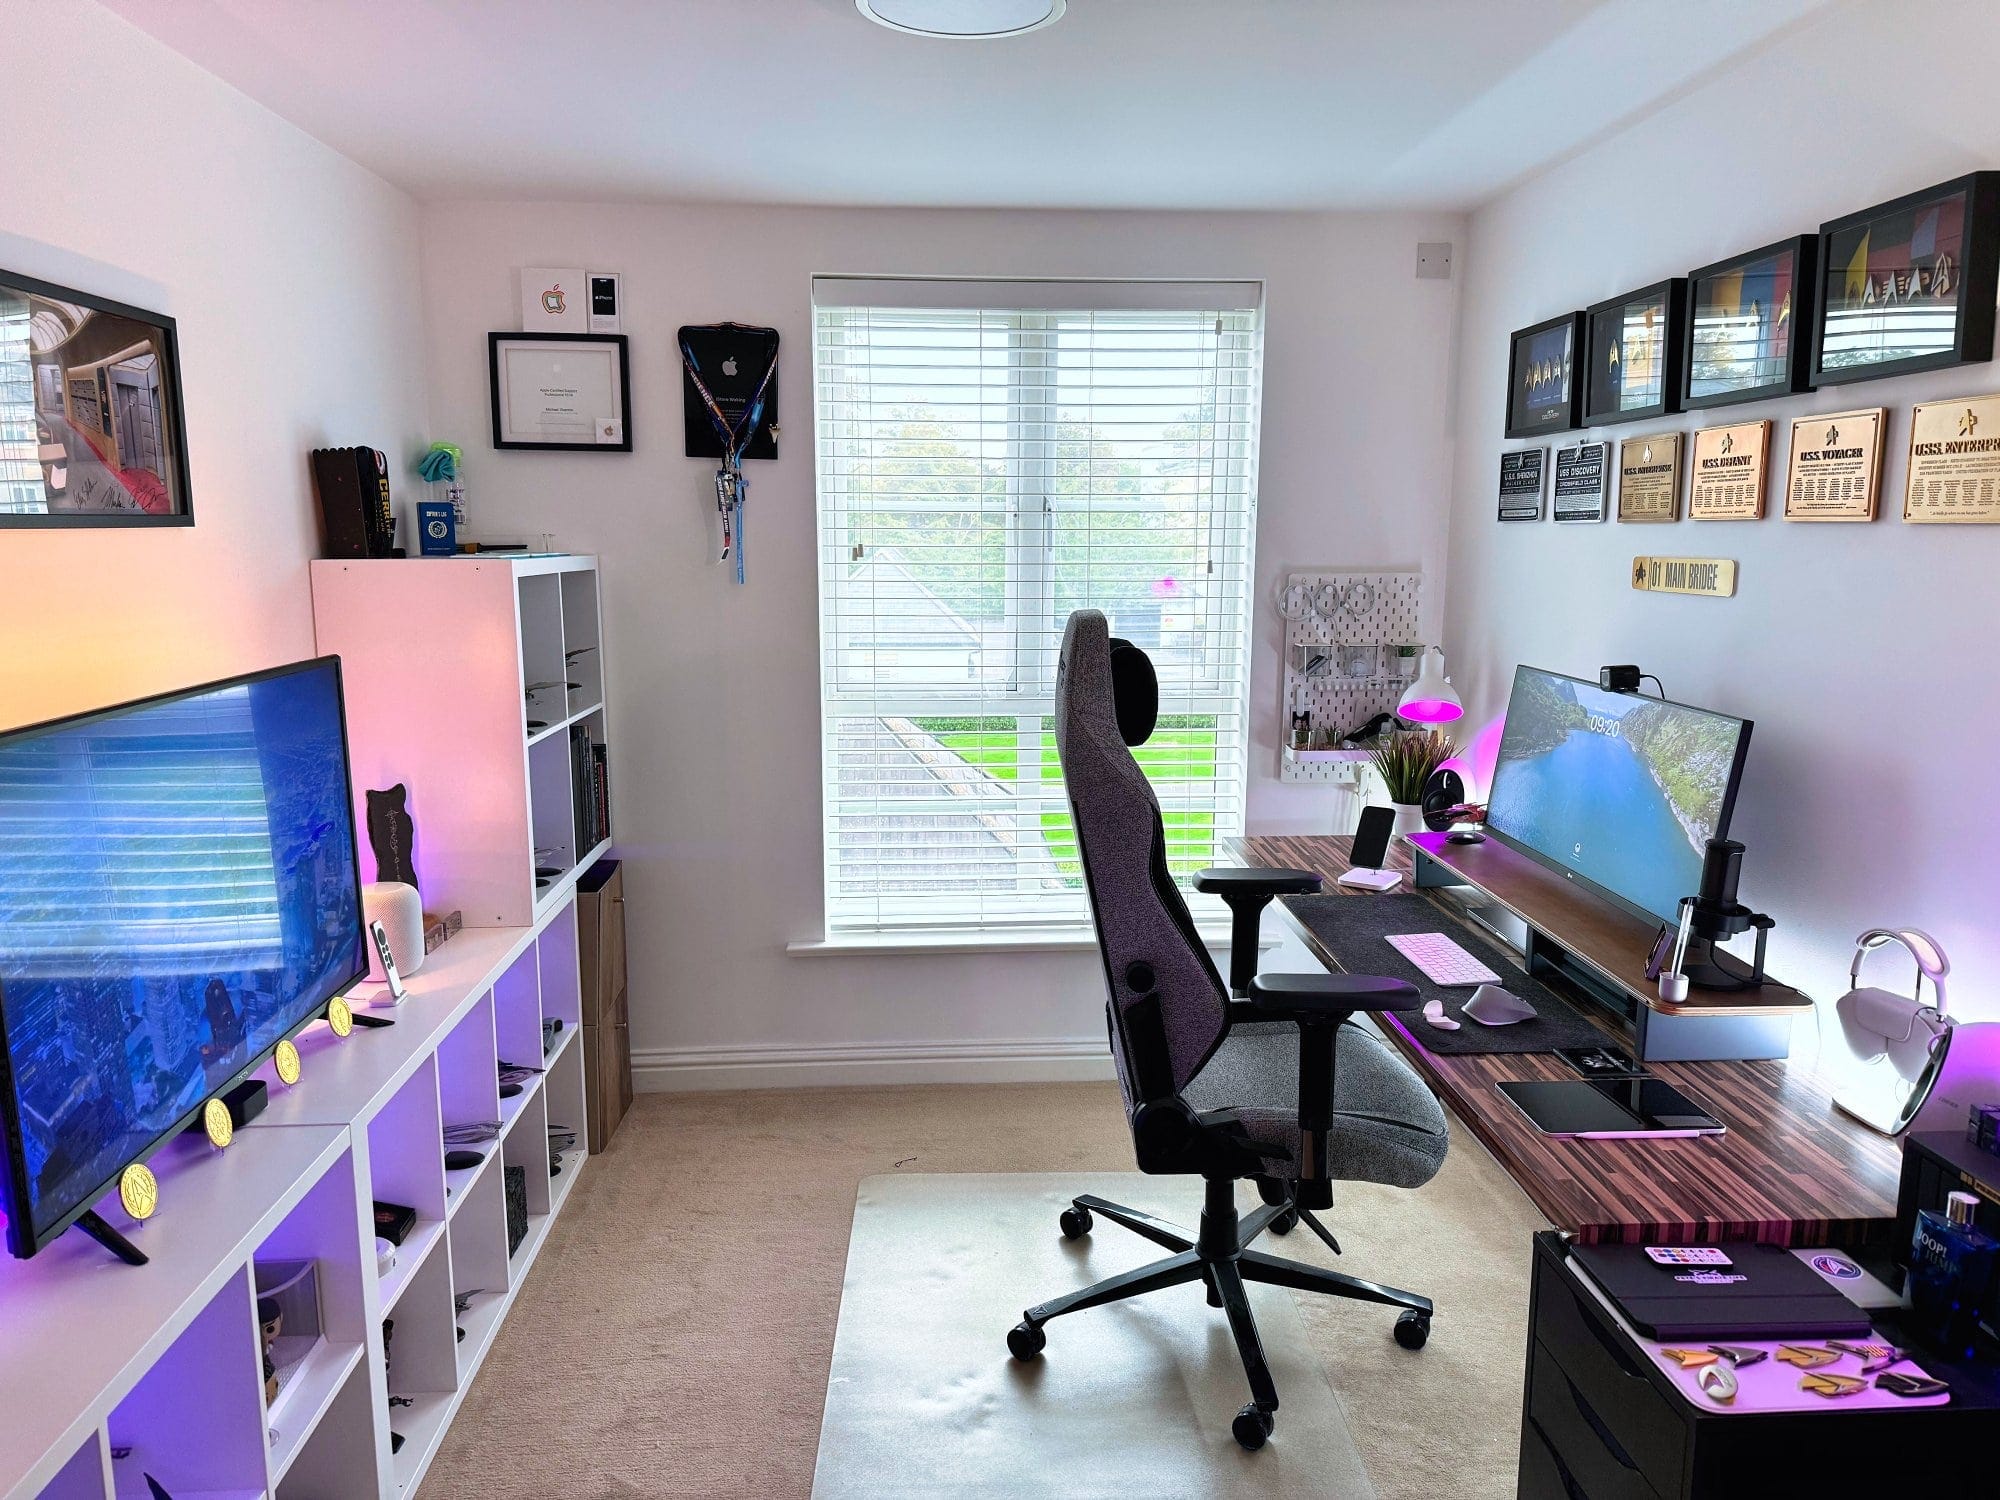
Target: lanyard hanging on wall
{"type": "Point", "coordinates": [731, 488]}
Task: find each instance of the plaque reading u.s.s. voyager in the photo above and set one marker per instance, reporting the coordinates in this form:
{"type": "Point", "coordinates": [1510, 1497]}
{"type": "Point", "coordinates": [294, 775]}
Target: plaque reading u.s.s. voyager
{"type": "Point", "coordinates": [1954, 461]}
{"type": "Point", "coordinates": [1727, 476]}
{"type": "Point", "coordinates": [1836, 466]}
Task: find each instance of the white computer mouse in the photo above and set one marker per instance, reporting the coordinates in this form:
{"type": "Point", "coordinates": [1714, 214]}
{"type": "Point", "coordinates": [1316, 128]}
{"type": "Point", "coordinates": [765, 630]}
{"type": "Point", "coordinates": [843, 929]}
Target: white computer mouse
{"type": "Point", "coordinates": [1492, 1006]}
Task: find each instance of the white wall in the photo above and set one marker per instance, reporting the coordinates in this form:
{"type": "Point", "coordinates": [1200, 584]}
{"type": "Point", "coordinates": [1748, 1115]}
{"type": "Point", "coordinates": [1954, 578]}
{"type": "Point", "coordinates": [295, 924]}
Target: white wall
{"type": "Point", "coordinates": [1866, 773]}
{"type": "Point", "coordinates": [716, 718]}
{"type": "Point", "coordinates": [131, 173]}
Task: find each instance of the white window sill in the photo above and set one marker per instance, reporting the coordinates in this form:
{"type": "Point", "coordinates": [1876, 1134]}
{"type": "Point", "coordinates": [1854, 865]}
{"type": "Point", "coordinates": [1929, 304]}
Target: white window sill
{"type": "Point", "coordinates": [979, 940]}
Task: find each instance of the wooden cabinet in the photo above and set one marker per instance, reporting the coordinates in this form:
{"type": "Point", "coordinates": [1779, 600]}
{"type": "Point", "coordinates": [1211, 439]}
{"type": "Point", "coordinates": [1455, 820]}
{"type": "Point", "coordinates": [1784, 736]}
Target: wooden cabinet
{"type": "Point", "coordinates": [607, 1021]}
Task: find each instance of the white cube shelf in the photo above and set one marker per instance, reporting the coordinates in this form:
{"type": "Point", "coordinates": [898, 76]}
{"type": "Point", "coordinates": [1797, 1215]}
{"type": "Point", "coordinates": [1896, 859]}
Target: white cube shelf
{"type": "Point", "coordinates": [479, 684]}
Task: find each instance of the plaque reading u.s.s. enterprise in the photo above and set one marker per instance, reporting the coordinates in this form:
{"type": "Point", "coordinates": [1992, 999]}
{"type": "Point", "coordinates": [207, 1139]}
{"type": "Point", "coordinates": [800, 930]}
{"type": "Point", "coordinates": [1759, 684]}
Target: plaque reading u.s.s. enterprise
{"type": "Point", "coordinates": [1649, 478]}
{"type": "Point", "coordinates": [1727, 477]}
{"type": "Point", "coordinates": [1954, 461]}
{"type": "Point", "coordinates": [1836, 465]}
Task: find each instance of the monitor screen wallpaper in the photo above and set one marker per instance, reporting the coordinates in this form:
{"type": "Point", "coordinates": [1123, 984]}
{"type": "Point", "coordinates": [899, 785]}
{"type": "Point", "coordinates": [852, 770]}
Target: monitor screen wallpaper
{"type": "Point", "coordinates": [1621, 789]}
{"type": "Point", "coordinates": [178, 892]}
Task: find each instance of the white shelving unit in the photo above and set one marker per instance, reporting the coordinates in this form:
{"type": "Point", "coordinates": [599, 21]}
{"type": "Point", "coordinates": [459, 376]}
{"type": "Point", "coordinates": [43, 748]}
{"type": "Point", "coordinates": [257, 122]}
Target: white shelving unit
{"type": "Point", "coordinates": [470, 680]}
{"type": "Point", "coordinates": [110, 1372]}
{"type": "Point", "coordinates": [114, 1371]}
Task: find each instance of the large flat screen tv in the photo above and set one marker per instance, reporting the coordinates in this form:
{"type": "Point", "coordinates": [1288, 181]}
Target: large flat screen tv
{"type": "Point", "coordinates": [178, 893]}
{"type": "Point", "coordinates": [1617, 790]}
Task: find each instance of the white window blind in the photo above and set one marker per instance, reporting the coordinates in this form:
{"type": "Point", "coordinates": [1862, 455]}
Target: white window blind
{"type": "Point", "coordinates": [991, 456]}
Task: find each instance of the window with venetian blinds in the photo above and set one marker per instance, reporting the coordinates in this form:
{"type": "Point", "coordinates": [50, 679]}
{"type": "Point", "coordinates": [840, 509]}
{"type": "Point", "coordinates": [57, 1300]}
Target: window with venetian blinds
{"type": "Point", "coordinates": [991, 456]}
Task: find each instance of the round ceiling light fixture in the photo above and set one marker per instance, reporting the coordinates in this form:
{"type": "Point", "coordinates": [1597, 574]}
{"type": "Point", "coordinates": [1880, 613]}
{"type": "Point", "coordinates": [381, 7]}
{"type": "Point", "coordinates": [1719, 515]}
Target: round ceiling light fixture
{"type": "Point", "coordinates": [964, 20]}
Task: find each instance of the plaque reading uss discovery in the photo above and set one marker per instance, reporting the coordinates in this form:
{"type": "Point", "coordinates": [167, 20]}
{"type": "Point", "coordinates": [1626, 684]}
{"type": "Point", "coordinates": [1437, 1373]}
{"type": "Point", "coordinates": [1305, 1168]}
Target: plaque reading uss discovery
{"type": "Point", "coordinates": [1728, 482]}
{"type": "Point", "coordinates": [1954, 461]}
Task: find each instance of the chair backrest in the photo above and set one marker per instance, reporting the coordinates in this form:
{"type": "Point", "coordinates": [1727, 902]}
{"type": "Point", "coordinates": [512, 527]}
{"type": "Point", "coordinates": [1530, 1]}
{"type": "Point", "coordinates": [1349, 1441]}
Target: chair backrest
{"type": "Point", "coordinates": [1153, 956]}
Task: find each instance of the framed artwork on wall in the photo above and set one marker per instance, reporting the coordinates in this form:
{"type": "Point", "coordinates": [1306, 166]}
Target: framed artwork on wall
{"type": "Point", "coordinates": [90, 407]}
{"type": "Point", "coordinates": [1908, 285]}
{"type": "Point", "coordinates": [1634, 344]}
{"type": "Point", "coordinates": [1750, 325]}
{"type": "Point", "coordinates": [565, 392]}
{"type": "Point", "coordinates": [1543, 383]}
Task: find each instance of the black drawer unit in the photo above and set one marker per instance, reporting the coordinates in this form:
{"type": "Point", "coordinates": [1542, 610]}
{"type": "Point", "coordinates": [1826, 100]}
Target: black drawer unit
{"type": "Point", "coordinates": [1599, 1422]}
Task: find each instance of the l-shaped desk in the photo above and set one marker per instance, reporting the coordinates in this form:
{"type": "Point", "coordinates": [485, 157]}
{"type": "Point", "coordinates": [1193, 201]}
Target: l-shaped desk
{"type": "Point", "coordinates": [1790, 1170]}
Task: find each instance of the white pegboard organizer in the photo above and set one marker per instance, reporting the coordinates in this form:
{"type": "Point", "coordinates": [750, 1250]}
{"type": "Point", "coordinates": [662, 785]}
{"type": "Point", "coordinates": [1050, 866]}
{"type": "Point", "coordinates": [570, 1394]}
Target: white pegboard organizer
{"type": "Point", "coordinates": [1367, 608]}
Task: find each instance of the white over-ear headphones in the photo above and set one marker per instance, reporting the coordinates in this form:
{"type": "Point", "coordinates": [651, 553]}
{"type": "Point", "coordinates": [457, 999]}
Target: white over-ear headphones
{"type": "Point", "coordinates": [1900, 1041]}
{"type": "Point", "coordinates": [1931, 965]}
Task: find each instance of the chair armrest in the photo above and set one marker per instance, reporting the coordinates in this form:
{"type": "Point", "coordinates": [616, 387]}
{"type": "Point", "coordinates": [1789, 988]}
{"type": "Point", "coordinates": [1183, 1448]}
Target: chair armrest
{"type": "Point", "coordinates": [1319, 1003]}
{"type": "Point", "coordinates": [1246, 892]}
{"type": "Point", "coordinates": [1330, 997]}
{"type": "Point", "coordinates": [1227, 881]}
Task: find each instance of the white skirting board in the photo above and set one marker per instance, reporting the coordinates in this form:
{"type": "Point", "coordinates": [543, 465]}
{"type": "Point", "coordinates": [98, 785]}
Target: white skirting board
{"type": "Point", "coordinates": [1052, 1060]}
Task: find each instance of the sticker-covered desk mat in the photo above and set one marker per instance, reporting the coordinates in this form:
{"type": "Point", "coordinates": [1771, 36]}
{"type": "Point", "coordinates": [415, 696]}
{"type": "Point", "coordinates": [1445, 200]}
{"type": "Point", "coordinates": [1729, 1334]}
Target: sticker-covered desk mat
{"type": "Point", "coordinates": [1356, 930]}
{"type": "Point", "coordinates": [1772, 1379]}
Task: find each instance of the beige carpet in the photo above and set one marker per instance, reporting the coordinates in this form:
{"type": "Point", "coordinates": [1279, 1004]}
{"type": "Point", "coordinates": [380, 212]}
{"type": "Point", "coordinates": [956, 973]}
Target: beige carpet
{"type": "Point", "coordinates": [675, 1335]}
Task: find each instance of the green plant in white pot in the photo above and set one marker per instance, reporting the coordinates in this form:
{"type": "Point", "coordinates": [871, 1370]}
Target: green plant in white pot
{"type": "Point", "coordinates": [1405, 762]}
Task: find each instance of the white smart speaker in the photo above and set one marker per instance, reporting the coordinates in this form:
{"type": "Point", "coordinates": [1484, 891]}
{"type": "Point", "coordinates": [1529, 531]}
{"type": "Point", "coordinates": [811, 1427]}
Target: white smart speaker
{"type": "Point", "coordinates": [400, 910]}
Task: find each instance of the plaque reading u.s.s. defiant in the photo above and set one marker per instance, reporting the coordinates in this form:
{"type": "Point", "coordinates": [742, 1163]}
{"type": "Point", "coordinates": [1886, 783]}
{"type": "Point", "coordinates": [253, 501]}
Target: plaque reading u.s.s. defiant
{"type": "Point", "coordinates": [1954, 461]}
{"type": "Point", "coordinates": [1649, 478]}
{"type": "Point", "coordinates": [1728, 472]}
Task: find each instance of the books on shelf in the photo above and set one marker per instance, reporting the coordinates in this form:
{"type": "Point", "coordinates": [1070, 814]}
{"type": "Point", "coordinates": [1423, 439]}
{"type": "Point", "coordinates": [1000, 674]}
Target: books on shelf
{"type": "Point", "coordinates": [590, 790]}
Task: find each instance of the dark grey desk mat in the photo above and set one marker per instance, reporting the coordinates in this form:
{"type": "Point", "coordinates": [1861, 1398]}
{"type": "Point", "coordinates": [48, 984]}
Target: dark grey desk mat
{"type": "Point", "coordinates": [1355, 930]}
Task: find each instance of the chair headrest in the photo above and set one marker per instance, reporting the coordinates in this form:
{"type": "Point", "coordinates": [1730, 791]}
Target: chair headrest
{"type": "Point", "coordinates": [1135, 692]}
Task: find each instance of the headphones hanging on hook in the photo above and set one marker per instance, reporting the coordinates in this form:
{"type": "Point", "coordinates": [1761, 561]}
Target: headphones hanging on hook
{"type": "Point", "coordinates": [1901, 1042]}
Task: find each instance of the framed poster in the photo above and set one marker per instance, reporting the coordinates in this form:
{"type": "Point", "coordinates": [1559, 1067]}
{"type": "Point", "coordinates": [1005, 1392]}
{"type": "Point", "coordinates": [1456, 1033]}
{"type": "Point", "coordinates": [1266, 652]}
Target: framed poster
{"type": "Point", "coordinates": [1908, 285]}
{"type": "Point", "coordinates": [1583, 481]}
{"type": "Point", "coordinates": [1649, 478]}
{"type": "Point", "coordinates": [94, 433]}
{"type": "Point", "coordinates": [1954, 461]}
{"type": "Point", "coordinates": [1726, 479]}
{"type": "Point", "coordinates": [1543, 390]}
{"type": "Point", "coordinates": [569, 392]}
{"type": "Point", "coordinates": [1634, 344]}
{"type": "Point", "coordinates": [1835, 470]}
{"type": "Point", "coordinates": [1749, 326]}
{"type": "Point", "coordinates": [1523, 481]}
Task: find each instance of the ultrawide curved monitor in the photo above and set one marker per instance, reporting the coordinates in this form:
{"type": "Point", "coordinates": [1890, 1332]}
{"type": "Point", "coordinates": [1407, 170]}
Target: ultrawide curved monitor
{"type": "Point", "coordinates": [1618, 790]}
{"type": "Point", "coordinates": [179, 892]}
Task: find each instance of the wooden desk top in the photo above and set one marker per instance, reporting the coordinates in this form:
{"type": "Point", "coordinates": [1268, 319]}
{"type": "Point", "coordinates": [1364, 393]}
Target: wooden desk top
{"type": "Point", "coordinates": [1790, 1171]}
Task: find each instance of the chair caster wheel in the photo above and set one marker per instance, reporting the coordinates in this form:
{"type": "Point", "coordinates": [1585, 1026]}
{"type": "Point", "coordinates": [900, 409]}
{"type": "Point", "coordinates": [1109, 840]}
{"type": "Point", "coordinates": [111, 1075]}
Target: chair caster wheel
{"type": "Point", "coordinates": [1075, 1223]}
{"type": "Point", "coordinates": [1413, 1329]}
{"type": "Point", "coordinates": [1252, 1427]}
{"type": "Point", "coordinates": [1025, 1341]}
{"type": "Point", "coordinates": [1286, 1222]}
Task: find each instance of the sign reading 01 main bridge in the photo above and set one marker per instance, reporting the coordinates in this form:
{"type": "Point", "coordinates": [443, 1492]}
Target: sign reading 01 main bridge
{"type": "Point", "coordinates": [1714, 577]}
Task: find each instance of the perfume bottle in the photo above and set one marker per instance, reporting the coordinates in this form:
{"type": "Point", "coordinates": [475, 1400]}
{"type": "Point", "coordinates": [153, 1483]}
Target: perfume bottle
{"type": "Point", "coordinates": [1951, 1274]}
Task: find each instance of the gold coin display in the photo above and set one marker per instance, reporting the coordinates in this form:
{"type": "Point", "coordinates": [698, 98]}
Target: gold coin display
{"type": "Point", "coordinates": [139, 1190]}
{"type": "Point", "coordinates": [339, 1016]}
{"type": "Point", "coordinates": [215, 1120]}
{"type": "Point", "coordinates": [287, 1059]}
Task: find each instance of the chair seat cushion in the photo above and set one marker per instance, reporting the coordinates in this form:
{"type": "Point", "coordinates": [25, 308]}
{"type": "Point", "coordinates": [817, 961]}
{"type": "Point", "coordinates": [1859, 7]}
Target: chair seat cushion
{"type": "Point", "coordinates": [1387, 1126]}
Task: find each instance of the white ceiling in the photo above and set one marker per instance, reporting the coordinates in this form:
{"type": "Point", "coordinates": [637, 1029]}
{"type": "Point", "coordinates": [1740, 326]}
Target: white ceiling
{"type": "Point", "coordinates": [1184, 104]}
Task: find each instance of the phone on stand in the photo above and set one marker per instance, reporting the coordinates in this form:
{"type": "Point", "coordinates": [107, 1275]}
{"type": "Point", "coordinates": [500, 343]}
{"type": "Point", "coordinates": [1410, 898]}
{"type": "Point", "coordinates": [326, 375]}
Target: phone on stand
{"type": "Point", "coordinates": [1371, 838]}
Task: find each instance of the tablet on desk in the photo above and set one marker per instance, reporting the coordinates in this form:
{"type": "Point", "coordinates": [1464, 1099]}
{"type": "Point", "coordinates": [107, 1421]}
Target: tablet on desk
{"type": "Point", "coordinates": [1611, 1108]}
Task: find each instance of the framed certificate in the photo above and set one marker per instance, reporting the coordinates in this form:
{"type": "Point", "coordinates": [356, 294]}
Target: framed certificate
{"type": "Point", "coordinates": [568, 392]}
